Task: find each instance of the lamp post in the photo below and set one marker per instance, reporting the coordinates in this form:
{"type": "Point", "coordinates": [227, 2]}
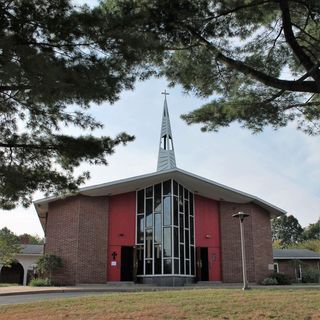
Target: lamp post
{"type": "Point", "coordinates": [241, 216]}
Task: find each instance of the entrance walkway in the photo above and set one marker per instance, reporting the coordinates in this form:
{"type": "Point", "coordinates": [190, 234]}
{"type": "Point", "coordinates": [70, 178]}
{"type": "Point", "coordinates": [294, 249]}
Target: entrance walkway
{"type": "Point", "coordinates": [131, 287]}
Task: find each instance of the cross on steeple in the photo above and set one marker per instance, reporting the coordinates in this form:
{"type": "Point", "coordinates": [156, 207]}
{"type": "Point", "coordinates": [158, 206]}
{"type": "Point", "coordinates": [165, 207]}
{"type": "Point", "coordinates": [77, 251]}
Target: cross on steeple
{"type": "Point", "coordinates": [166, 158]}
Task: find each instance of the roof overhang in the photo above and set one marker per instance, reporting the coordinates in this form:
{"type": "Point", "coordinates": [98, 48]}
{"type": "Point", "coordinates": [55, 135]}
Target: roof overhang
{"type": "Point", "coordinates": [296, 258]}
{"type": "Point", "coordinates": [199, 185]}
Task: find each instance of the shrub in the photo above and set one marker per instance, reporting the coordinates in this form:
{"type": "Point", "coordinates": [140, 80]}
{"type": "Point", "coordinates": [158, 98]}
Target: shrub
{"type": "Point", "coordinates": [269, 282]}
{"type": "Point", "coordinates": [310, 275]}
{"type": "Point", "coordinates": [47, 264]}
{"type": "Point", "coordinates": [281, 278]}
{"type": "Point", "coordinates": [39, 282]}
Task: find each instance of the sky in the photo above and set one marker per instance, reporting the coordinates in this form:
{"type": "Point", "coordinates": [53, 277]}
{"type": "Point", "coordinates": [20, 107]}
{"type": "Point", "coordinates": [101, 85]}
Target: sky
{"type": "Point", "coordinates": [281, 167]}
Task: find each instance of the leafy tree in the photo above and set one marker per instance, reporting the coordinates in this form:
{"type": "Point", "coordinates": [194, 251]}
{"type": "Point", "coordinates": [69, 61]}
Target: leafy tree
{"type": "Point", "coordinates": [9, 246]}
{"type": "Point", "coordinates": [313, 245]}
{"type": "Point", "coordinates": [312, 232]}
{"type": "Point", "coordinates": [287, 230]}
{"type": "Point", "coordinates": [55, 59]}
{"type": "Point", "coordinates": [27, 238]}
{"type": "Point", "coordinates": [239, 51]}
{"type": "Point", "coordinates": [48, 263]}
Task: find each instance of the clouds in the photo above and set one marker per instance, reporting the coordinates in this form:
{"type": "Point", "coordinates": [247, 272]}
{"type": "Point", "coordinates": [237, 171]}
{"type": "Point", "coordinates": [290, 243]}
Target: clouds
{"type": "Point", "coordinates": [281, 167]}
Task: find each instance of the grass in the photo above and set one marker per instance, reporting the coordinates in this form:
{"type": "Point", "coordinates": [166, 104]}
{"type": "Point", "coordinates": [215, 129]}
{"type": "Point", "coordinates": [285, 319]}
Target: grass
{"type": "Point", "coordinates": [183, 304]}
{"type": "Point", "coordinates": [8, 284]}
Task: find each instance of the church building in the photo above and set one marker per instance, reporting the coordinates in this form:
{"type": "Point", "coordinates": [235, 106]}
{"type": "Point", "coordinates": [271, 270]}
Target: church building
{"type": "Point", "coordinates": [169, 227]}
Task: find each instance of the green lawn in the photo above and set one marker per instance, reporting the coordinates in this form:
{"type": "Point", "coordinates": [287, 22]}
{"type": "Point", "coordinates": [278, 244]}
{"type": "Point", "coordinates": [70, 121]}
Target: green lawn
{"type": "Point", "coordinates": [8, 284]}
{"type": "Point", "coordinates": [183, 304]}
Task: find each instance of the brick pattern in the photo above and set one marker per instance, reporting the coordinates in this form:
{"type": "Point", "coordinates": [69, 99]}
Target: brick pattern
{"type": "Point", "coordinates": [263, 255]}
{"type": "Point", "coordinates": [76, 230]}
{"type": "Point", "coordinates": [92, 249]}
{"type": "Point", "coordinates": [290, 267]}
{"type": "Point", "coordinates": [258, 244]}
{"type": "Point", "coordinates": [231, 244]}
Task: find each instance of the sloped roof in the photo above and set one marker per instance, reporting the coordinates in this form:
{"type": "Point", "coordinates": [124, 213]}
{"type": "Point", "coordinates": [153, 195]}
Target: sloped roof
{"type": "Point", "coordinates": [292, 254]}
{"type": "Point", "coordinates": [198, 185]}
{"type": "Point", "coordinates": [33, 249]}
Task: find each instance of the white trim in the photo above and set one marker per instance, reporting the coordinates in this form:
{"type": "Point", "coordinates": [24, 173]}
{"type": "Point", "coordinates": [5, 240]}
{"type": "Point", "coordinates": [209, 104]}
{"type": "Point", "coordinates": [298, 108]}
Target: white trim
{"type": "Point", "coordinates": [177, 174]}
{"type": "Point", "coordinates": [296, 258]}
{"type": "Point", "coordinates": [166, 275]}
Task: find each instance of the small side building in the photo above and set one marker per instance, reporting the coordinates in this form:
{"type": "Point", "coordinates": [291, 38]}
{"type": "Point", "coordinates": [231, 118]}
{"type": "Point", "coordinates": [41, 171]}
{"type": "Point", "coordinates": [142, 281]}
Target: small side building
{"type": "Point", "coordinates": [293, 262]}
{"type": "Point", "coordinates": [24, 264]}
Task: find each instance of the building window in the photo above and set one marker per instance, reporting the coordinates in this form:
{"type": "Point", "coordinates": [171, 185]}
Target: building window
{"type": "Point", "coordinates": [165, 230]}
{"type": "Point", "coordinates": [276, 267]}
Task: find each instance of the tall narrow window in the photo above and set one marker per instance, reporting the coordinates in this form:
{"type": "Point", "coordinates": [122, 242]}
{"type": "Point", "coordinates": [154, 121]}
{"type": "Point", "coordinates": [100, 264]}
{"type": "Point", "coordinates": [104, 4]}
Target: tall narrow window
{"type": "Point", "coordinates": [165, 230]}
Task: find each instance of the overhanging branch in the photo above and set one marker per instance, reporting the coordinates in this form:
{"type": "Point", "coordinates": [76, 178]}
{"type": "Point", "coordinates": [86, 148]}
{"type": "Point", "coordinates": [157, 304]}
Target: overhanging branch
{"type": "Point", "coordinates": [288, 85]}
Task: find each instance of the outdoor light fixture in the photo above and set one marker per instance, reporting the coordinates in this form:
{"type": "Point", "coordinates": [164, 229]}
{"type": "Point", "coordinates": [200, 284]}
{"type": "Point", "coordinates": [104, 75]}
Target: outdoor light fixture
{"type": "Point", "coordinates": [241, 216]}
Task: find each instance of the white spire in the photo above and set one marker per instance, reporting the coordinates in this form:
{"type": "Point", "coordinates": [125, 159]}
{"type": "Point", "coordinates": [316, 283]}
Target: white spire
{"type": "Point", "coordinates": [166, 158]}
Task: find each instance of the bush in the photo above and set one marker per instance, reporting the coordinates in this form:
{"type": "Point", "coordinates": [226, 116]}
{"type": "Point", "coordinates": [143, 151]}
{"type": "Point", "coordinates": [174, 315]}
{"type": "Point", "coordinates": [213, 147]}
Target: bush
{"type": "Point", "coordinates": [281, 278]}
{"type": "Point", "coordinates": [269, 282]}
{"type": "Point", "coordinates": [310, 275]}
{"type": "Point", "coordinates": [47, 264]}
{"type": "Point", "coordinates": [39, 282]}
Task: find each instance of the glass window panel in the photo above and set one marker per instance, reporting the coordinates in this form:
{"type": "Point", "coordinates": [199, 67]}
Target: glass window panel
{"type": "Point", "coordinates": [175, 211]}
{"type": "Point", "coordinates": [181, 259]}
{"type": "Point", "coordinates": [148, 244]}
{"type": "Point", "coordinates": [187, 243]}
{"type": "Point", "coordinates": [140, 228]}
{"type": "Point", "coordinates": [176, 266]}
{"type": "Point", "coordinates": [181, 228]}
{"type": "Point", "coordinates": [176, 242]}
{"type": "Point", "coordinates": [167, 211]}
{"type": "Point", "coordinates": [149, 192]}
{"type": "Point", "coordinates": [175, 188]}
{"type": "Point", "coordinates": [192, 260]}
{"type": "Point", "coordinates": [187, 267]}
{"type": "Point", "coordinates": [157, 259]}
{"type": "Point", "coordinates": [167, 265]}
{"type": "Point", "coordinates": [167, 244]}
{"type": "Point", "coordinates": [191, 230]}
{"type": "Point", "coordinates": [186, 194]}
{"type": "Point", "coordinates": [148, 266]}
{"type": "Point", "coordinates": [149, 213]}
{"type": "Point", "coordinates": [141, 201]}
{"type": "Point", "coordinates": [191, 204]}
{"type": "Point", "coordinates": [167, 188]}
{"type": "Point", "coordinates": [140, 259]}
{"type": "Point", "coordinates": [157, 227]}
{"type": "Point", "coordinates": [186, 214]}
{"type": "Point", "coordinates": [157, 198]}
{"type": "Point", "coordinates": [180, 198]}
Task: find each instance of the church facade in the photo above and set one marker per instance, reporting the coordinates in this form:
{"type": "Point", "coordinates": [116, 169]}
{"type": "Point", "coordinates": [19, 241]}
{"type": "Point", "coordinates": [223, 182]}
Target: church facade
{"type": "Point", "coordinates": [169, 227]}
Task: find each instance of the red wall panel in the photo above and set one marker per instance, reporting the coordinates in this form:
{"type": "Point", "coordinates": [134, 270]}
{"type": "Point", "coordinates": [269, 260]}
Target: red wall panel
{"type": "Point", "coordinates": [207, 233]}
{"type": "Point", "coordinates": [122, 213]}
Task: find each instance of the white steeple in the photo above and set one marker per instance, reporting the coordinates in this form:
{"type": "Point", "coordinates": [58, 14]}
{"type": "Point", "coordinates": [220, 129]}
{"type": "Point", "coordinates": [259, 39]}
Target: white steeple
{"type": "Point", "coordinates": [166, 158]}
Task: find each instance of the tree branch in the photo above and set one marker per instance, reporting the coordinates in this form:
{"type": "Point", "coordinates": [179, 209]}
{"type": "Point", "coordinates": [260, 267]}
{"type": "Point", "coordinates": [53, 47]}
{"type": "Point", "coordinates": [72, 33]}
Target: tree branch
{"type": "Point", "coordinates": [294, 45]}
{"type": "Point", "coordinates": [296, 86]}
{"type": "Point", "coordinates": [245, 6]}
{"type": "Point", "coordinates": [24, 145]}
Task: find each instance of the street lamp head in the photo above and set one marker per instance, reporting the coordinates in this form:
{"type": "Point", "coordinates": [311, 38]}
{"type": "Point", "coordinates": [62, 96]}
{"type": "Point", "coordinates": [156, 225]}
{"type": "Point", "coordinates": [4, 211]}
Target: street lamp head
{"type": "Point", "coordinates": [241, 215]}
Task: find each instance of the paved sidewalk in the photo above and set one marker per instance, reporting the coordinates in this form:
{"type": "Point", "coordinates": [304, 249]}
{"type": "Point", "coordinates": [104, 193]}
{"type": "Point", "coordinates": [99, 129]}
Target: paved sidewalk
{"type": "Point", "coordinates": [118, 287]}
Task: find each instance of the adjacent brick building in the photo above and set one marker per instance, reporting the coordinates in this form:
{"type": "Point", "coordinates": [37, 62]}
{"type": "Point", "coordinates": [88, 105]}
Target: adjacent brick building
{"type": "Point", "coordinates": [169, 227]}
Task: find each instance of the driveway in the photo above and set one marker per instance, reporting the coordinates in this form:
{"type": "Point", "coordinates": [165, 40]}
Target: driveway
{"type": "Point", "coordinates": [26, 298]}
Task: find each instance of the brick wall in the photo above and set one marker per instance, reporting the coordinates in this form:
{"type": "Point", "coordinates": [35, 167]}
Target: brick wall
{"type": "Point", "coordinates": [290, 267]}
{"type": "Point", "coordinates": [76, 230]}
{"type": "Point", "coordinates": [258, 244]}
{"type": "Point", "coordinates": [262, 240]}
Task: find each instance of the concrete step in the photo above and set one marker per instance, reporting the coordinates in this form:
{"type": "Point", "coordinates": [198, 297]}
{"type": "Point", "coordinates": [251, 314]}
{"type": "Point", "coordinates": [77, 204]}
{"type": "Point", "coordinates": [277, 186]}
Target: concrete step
{"type": "Point", "coordinates": [204, 284]}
